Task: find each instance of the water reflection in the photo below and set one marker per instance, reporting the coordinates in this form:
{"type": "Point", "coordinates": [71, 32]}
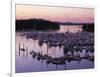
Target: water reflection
{"type": "Point", "coordinates": [33, 55]}
{"type": "Point", "coordinates": [70, 28]}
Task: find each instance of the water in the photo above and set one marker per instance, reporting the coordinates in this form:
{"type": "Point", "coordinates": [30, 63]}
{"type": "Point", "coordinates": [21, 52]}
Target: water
{"type": "Point", "coordinates": [26, 63]}
{"type": "Point", "coordinates": [70, 28]}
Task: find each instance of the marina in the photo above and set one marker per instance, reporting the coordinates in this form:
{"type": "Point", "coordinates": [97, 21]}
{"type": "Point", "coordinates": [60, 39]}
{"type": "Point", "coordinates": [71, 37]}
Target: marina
{"type": "Point", "coordinates": [54, 49]}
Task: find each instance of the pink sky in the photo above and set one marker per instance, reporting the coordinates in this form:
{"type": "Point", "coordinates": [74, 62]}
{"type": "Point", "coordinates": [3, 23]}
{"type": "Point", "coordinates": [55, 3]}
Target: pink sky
{"type": "Point", "coordinates": [55, 13]}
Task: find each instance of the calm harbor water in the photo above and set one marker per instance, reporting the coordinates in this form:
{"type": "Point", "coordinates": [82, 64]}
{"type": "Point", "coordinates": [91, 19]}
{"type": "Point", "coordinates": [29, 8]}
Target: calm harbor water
{"type": "Point", "coordinates": [70, 28]}
{"type": "Point", "coordinates": [25, 62]}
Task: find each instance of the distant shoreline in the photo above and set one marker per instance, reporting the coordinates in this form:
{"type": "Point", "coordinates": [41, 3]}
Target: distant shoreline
{"type": "Point", "coordinates": [41, 24]}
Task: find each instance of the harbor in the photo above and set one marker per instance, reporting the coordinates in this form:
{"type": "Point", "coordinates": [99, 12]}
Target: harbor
{"type": "Point", "coordinates": [55, 49]}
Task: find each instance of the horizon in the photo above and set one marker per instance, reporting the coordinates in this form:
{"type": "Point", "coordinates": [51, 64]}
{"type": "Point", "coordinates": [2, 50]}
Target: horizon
{"type": "Point", "coordinates": [55, 14]}
{"type": "Point", "coordinates": [57, 21]}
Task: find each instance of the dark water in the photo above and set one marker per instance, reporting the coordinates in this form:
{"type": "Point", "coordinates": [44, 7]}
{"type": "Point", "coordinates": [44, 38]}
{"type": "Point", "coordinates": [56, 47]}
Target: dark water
{"type": "Point", "coordinates": [26, 63]}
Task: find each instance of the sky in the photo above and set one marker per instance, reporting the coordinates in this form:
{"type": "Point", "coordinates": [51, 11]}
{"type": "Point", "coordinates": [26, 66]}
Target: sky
{"type": "Point", "coordinates": [59, 14]}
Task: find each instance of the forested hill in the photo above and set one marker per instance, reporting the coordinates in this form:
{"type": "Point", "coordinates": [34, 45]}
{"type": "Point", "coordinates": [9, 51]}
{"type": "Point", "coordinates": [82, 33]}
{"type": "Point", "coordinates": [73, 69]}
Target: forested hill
{"type": "Point", "coordinates": [36, 24]}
